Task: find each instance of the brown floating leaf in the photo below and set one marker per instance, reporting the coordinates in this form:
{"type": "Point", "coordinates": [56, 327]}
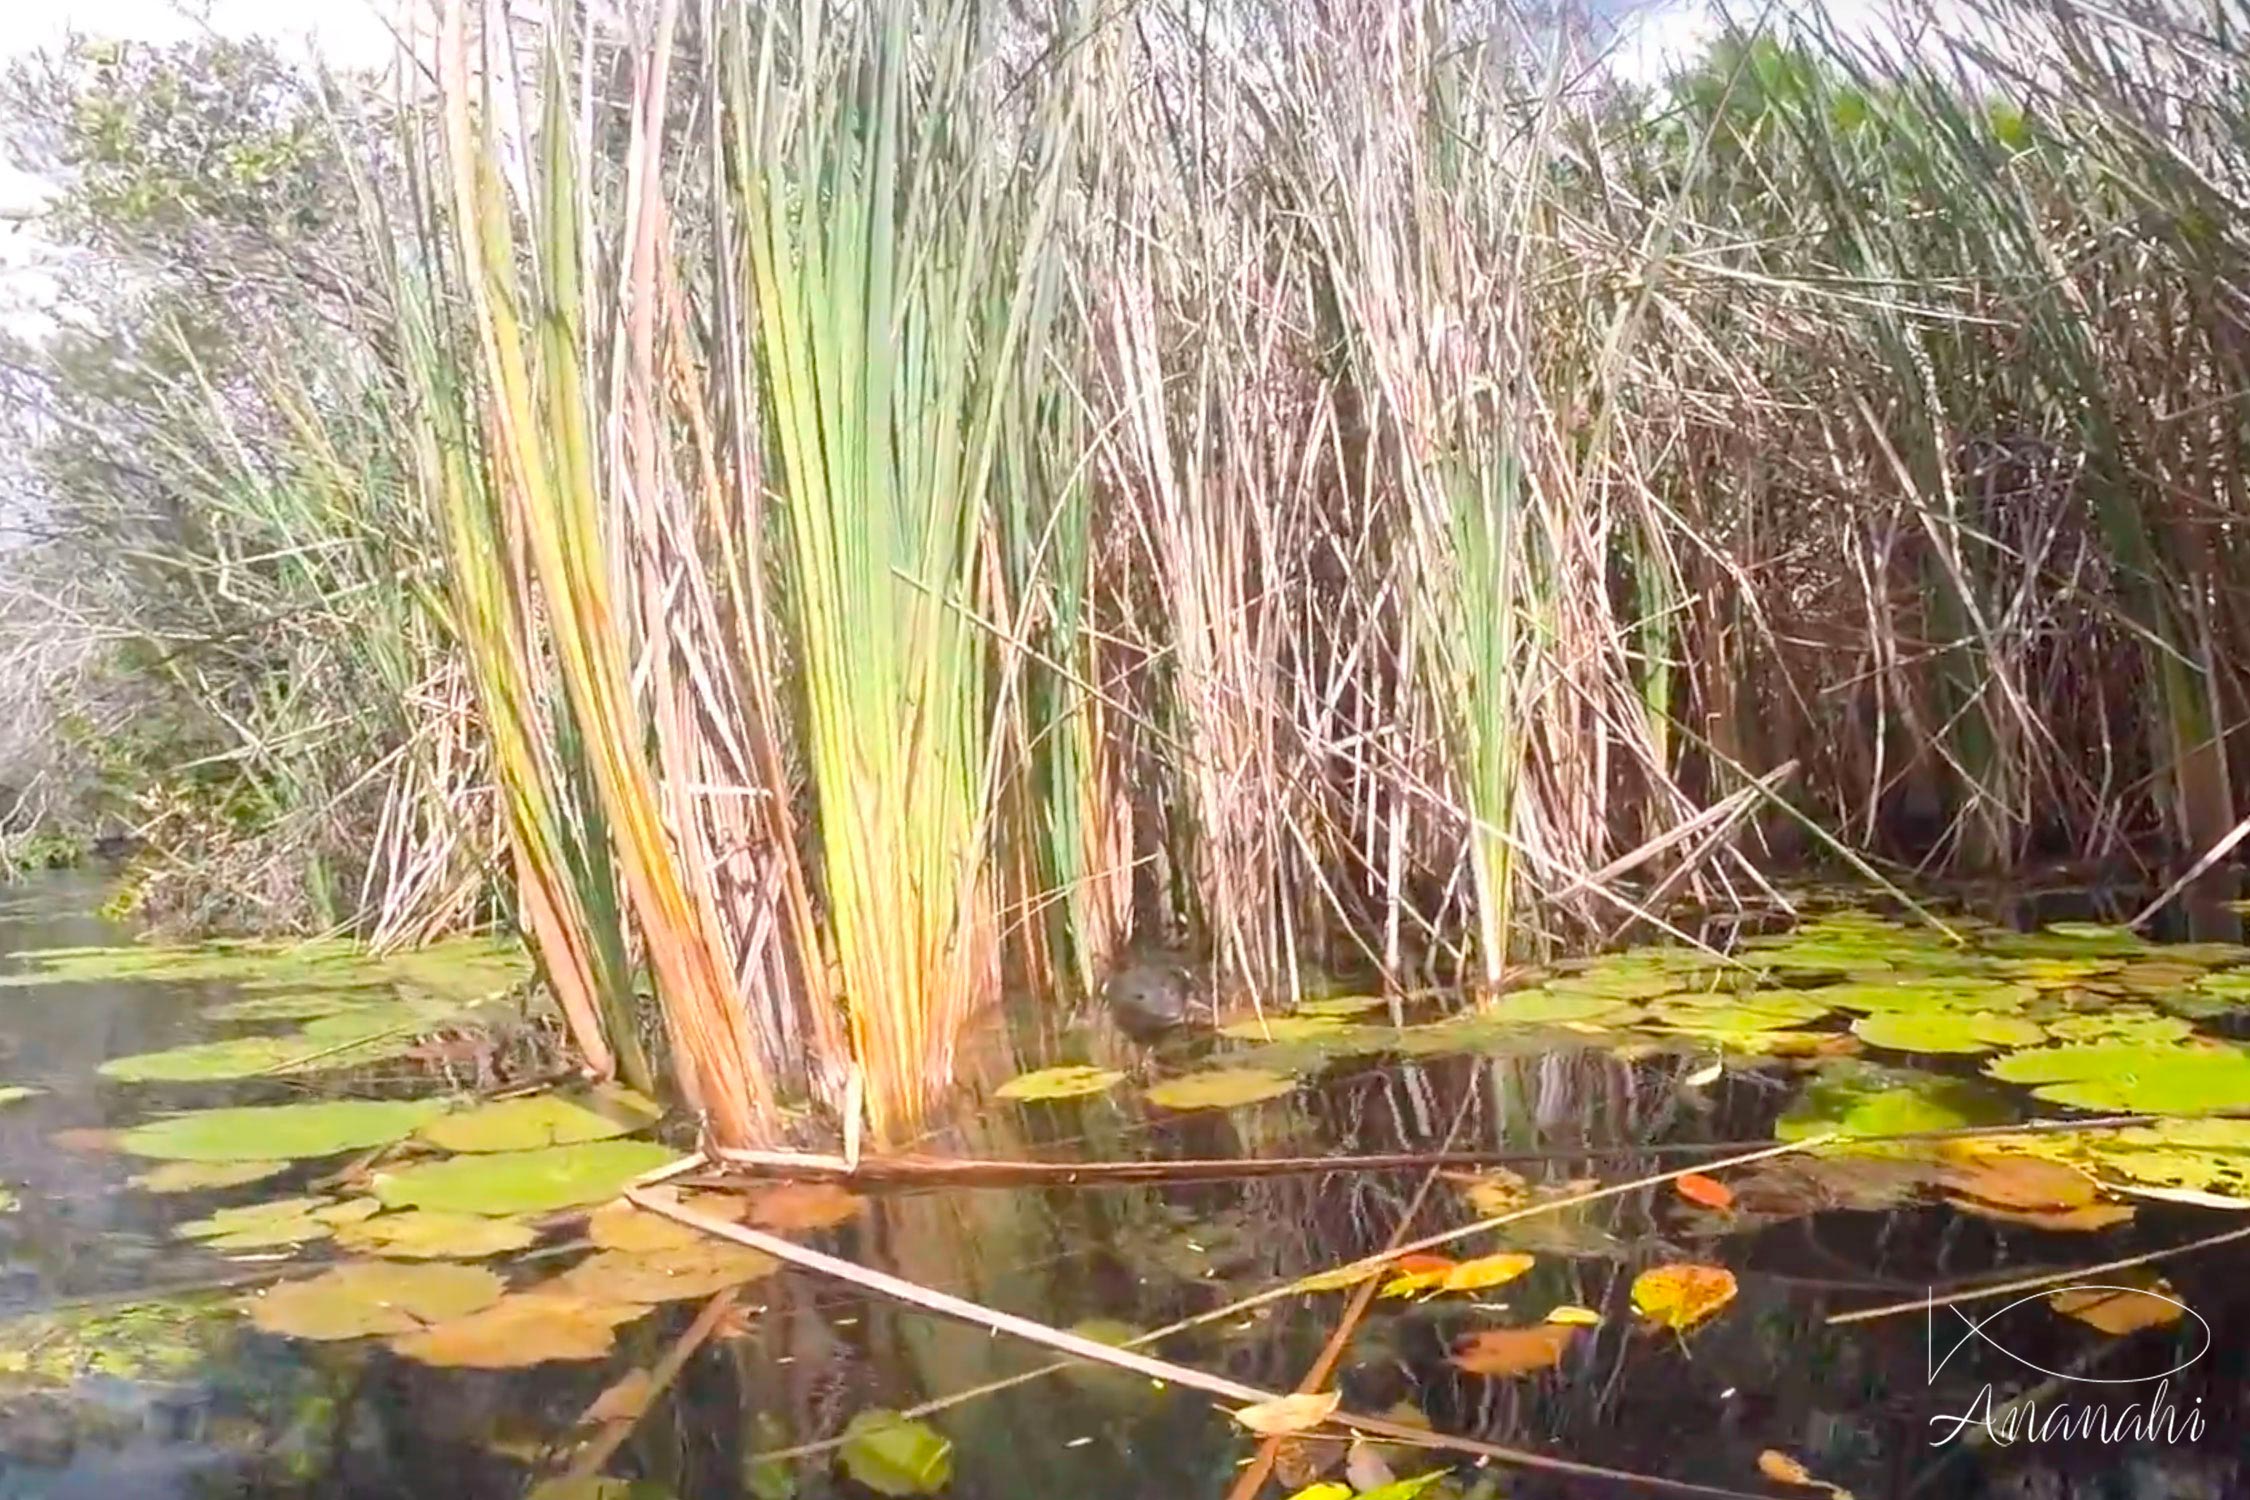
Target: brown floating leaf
{"type": "Point", "coordinates": [2118, 1309]}
{"type": "Point", "coordinates": [1683, 1295]}
{"type": "Point", "coordinates": [804, 1205]}
{"type": "Point", "coordinates": [1288, 1414]}
{"type": "Point", "coordinates": [1708, 1191]}
{"type": "Point", "coordinates": [373, 1296]}
{"type": "Point", "coordinates": [526, 1328]}
{"type": "Point", "coordinates": [1514, 1351]}
{"type": "Point", "coordinates": [618, 1225]}
{"type": "Point", "coordinates": [669, 1275]}
{"type": "Point", "coordinates": [2023, 1183]}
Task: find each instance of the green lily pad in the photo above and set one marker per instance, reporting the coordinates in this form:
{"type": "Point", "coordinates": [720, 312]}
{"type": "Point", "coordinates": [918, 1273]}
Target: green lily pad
{"type": "Point", "coordinates": [2169, 1079]}
{"type": "Point", "coordinates": [423, 1234]}
{"type": "Point", "coordinates": [1297, 1028]}
{"type": "Point", "coordinates": [1619, 982]}
{"type": "Point", "coordinates": [1855, 1099]}
{"type": "Point", "coordinates": [306, 1007]}
{"type": "Point", "coordinates": [893, 1455]}
{"type": "Point", "coordinates": [1946, 1030]}
{"type": "Point", "coordinates": [522, 1182]}
{"type": "Point", "coordinates": [1551, 1006]}
{"type": "Point", "coordinates": [1071, 1082]}
{"type": "Point", "coordinates": [270, 1132]}
{"type": "Point", "coordinates": [14, 1093]}
{"type": "Point", "coordinates": [1220, 1088]}
{"type": "Point", "coordinates": [374, 1297]}
{"type": "Point", "coordinates": [2119, 1023]}
{"type": "Point", "coordinates": [202, 1176]}
{"type": "Point", "coordinates": [1916, 994]}
{"type": "Point", "coordinates": [349, 1211]}
{"type": "Point", "coordinates": [542, 1120]}
{"type": "Point", "coordinates": [258, 1226]}
{"type": "Point", "coordinates": [1341, 1005]}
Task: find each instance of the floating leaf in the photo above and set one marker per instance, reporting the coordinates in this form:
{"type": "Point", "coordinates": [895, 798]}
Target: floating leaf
{"type": "Point", "coordinates": [15, 1093]}
{"type": "Point", "coordinates": [1070, 1082]}
{"type": "Point", "coordinates": [1288, 1414]}
{"type": "Point", "coordinates": [1341, 1277]}
{"type": "Point", "coordinates": [1682, 1295]}
{"type": "Point", "coordinates": [1495, 1193]}
{"type": "Point", "coordinates": [1341, 1005]}
{"type": "Point", "coordinates": [622, 1226]}
{"type": "Point", "coordinates": [1574, 1316]}
{"type": "Point", "coordinates": [804, 1205]}
{"type": "Point", "coordinates": [1514, 1351]}
{"type": "Point", "coordinates": [421, 1234]}
{"type": "Point", "coordinates": [1946, 1030]}
{"type": "Point", "coordinates": [1855, 1099]}
{"type": "Point", "coordinates": [2118, 1309]}
{"type": "Point", "coordinates": [1485, 1271]}
{"type": "Point", "coordinates": [1418, 1273]}
{"type": "Point", "coordinates": [201, 1176]}
{"type": "Point", "coordinates": [669, 1275]}
{"type": "Point", "coordinates": [1708, 1191]}
{"type": "Point", "coordinates": [539, 1120]}
{"type": "Point", "coordinates": [258, 1226]}
{"type": "Point", "coordinates": [1220, 1088]}
{"type": "Point", "coordinates": [308, 1007]}
{"type": "Point", "coordinates": [522, 1328]}
{"type": "Point", "coordinates": [369, 1297]}
{"type": "Point", "coordinates": [893, 1455]}
{"type": "Point", "coordinates": [1782, 1469]}
{"type": "Point", "coordinates": [2136, 1024]}
{"type": "Point", "coordinates": [272, 1131]}
{"type": "Point", "coordinates": [2169, 1079]}
{"type": "Point", "coordinates": [522, 1182]}
{"type": "Point", "coordinates": [2021, 1183]}
{"type": "Point", "coordinates": [1298, 1028]}
{"type": "Point", "coordinates": [2091, 1219]}
{"type": "Point", "coordinates": [1548, 1008]}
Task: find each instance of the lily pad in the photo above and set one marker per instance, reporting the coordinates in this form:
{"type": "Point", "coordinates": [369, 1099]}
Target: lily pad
{"type": "Point", "coordinates": [523, 1328]}
{"type": "Point", "coordinates": [423, 1234]}
{"type": "Point", "coordinates": [1946, 1030]}
{"type": "Point", "coordinates": [669, 1275]}
{"type": "Point", "coordinates": [1552, 1006]}
{"type": "Point", "coordinates": [894, 1455]}
{"type": "Point", "coordinates": [1854, 1099]}
{"type": "Point", "coordinates": [1071, 1082]}
{"type": "Point", "coordinates": [307, 1007]}
{"type": "Point", "coordinates": [14, 1093]}
{"type": "Point", "coordinates": [1220, 1088]}
{"type": "Point", "coordinates": [258, 1226]}
{"type": "Point", "coordinates": [272, 1131]}
{"type": "Point", "coordinates": [2169, 1079]}
{"type": "Point", "coordinates": [370, 1297]}
{"type": "Point", "coordinates": [503, 1183]}
{"type": "Point", "coordinates": [1341, 1005]}
{"type": "Point", "coordinates": [1297, 1028]}
{"type": "Point", "coordinates": [201, 1176]}
{"type": "Point", "coordinates": [537, 1120]}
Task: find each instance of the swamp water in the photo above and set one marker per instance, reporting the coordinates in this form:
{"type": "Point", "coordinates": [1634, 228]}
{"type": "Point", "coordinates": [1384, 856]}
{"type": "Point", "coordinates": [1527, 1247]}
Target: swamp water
{"type": "Point", "coordinates": [428, 1294]}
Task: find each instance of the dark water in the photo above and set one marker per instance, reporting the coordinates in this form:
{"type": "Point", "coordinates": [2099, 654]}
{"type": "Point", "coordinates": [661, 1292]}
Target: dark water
{"type": "Point", "coordinates": [227, 1411]}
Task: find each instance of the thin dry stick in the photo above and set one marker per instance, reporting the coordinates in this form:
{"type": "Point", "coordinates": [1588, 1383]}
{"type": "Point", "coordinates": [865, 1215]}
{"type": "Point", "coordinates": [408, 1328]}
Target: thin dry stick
{"type": "Point", "coordinates": [2216, 853]}
{"type": "Point", "coordinates": [1241, 1305]}
{"type": "Point", "coordinates": [1253, 1475]}
{"type": "Point", "coordinates": [612, 1436]}
{"type": "Point", "coordinates": [900, 1290]}
{"type": "Point", "coordinates": [2034, 1283]}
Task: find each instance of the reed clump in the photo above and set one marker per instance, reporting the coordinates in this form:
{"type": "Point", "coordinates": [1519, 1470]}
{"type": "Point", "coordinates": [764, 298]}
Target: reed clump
{"type": "Point", "coordinates": [930, 492]}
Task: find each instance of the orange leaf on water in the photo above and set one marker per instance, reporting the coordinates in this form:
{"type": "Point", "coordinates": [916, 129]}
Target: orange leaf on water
{"type": "Point", "coordinates": [2118, 1309]}
{"type": "Point", "coordinates": [1708, 1191]}
{"type": "Point", "coordinates": [1782, 1469]}
{"type": "Point", "coordinates": [1513, 1351]}
{"type": "Point", "coordinates": [1682, 1295]}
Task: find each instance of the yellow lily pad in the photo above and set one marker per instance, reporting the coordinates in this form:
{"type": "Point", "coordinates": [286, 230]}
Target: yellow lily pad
{"type": "Point", "coordinates": [258, 1226]}
{"type": "Point", "coordinates": [1220, 1088]}
{"type": "Point", "coordinates": [1072, 1082]}
{"type": "Point", "coordinates": [425, 1234]}
{"type": "Point", "coordinates": [370, 1297]}
{"type": "Point", "coordinates": [523, 1328]}
{"type": "Point", "coordinates": [668, 1275]}
{"type": "Point", "coordinates": [202, 1176]}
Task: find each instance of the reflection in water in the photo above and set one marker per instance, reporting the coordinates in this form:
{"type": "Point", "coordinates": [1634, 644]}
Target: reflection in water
{"type": "Point", "coordinates": [203, 1407]}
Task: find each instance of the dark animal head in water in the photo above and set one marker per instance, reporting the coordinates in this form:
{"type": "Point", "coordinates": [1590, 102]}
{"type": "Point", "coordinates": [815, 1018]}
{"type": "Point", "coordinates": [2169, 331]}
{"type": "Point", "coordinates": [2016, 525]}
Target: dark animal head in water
{"type": "Point", "coordinates": [1150, 996]}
